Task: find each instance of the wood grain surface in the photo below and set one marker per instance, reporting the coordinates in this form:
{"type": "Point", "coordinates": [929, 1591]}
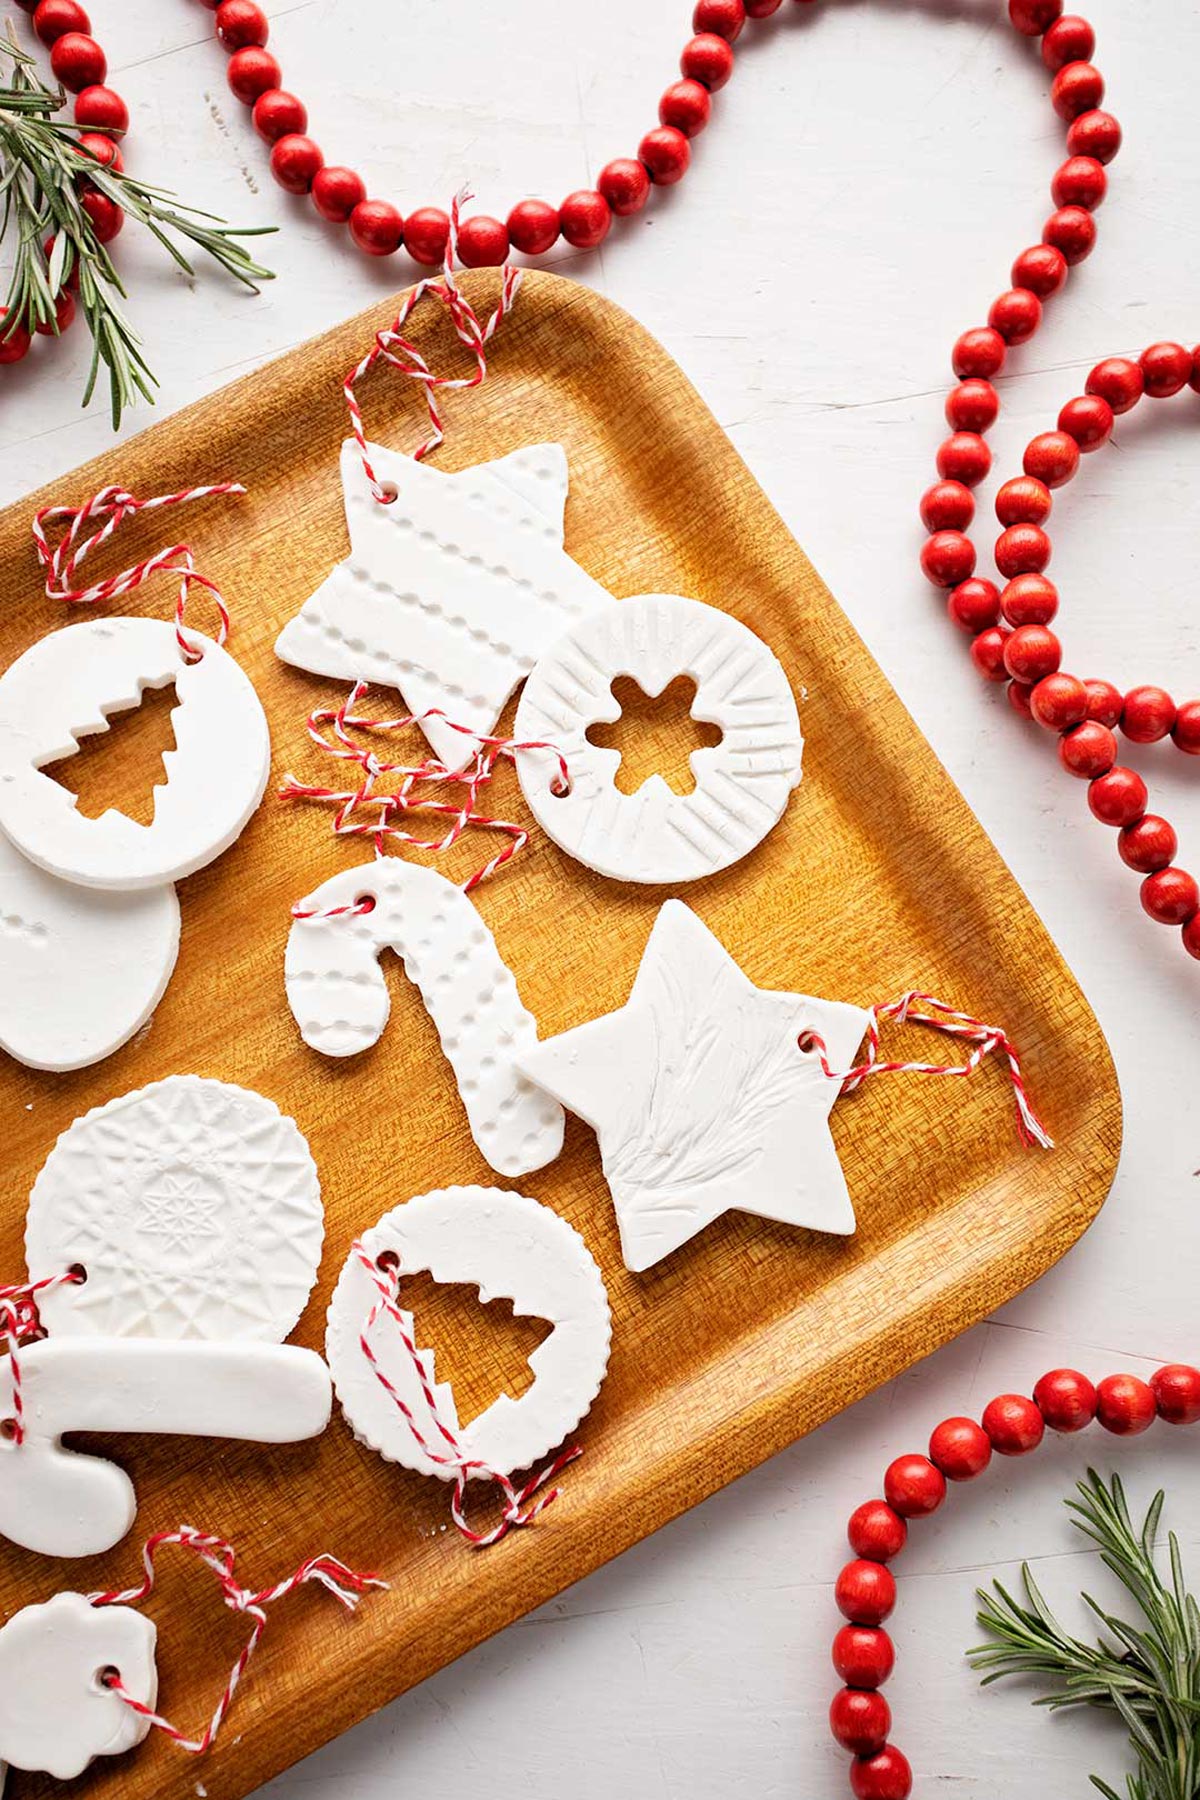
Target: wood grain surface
{"type": "Point", "coordinates": [878, 878]}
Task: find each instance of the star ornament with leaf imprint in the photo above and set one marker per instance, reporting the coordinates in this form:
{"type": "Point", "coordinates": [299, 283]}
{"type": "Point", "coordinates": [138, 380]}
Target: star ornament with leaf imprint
{"type": "Point", "coordinates": [702, 1097]}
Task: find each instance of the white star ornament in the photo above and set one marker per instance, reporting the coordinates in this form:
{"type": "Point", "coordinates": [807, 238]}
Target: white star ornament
{"type": "Point", "coordinates": [702, 1096]}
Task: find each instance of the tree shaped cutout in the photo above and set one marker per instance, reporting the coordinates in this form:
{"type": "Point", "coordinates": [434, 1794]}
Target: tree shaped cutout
{"type": "Point", "coordinates": [118, 769]}
{"type": "Point", "coordinates": [481, 1349]}
{"type": "Point", "coordinates": [655, 735]}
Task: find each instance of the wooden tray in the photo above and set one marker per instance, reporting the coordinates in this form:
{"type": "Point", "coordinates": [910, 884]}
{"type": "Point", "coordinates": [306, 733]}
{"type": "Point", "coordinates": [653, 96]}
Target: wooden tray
{"type": "Point", "coordinates": [877, 878]}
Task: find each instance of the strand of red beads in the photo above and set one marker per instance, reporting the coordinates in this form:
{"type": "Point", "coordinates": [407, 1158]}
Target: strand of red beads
{"type": "Point", "coordinates": [79, 63]}
{"type": "Point", "coordinates": [1009, 629]}
{"type": "Point", "coordinates": [584, 218]}
{"type": "Point", "coordinates": [914, 1487]}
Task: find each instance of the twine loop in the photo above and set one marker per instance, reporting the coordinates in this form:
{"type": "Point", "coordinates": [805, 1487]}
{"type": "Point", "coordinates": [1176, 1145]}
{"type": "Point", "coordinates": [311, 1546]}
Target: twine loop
{"type": "Point", "coordinates": [21, 1323]}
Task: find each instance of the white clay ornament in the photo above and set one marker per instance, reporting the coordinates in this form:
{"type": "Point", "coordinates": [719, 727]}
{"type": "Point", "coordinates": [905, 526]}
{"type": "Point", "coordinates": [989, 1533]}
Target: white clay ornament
{"type": "Point", "coordinates": [508, 1246]}
{"type": "Point", "coordinates": [452, 591]}
{"type": "Point", "coordinates": [702, 1097]}
{"type": "Point", "coordinates": [80, 971]}
{"type": "Point", "coordinates": [64, 687]}
{"type": "Point", "coordinates": [56, 1714]}
{"type": "Point", "coordinates": [339, 997]}
{"type": "Point", "coordinates": [742, 783]}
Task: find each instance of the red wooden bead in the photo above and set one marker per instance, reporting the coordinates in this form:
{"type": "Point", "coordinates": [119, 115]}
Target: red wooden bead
{"type": "Point", "coordinates": [960, 1448]}
{"type": "Point", "coordinates": [533, 226]}
{"type": "Point", "coordinates": [251, 72]}
{"type": "Point", "coordinates": [1073, 231]}
{"type": "Point", "coordinates": [240, 23]}
{"type": "Point", "coordinates": [336, 191]}
{"type": "Point", "coordinates": [947, 558]}
{"type": "Point", "coordinates": [1014, 1424]}
{"type": "Point", "coordinates": [1066, 1400]}
{"type": "Point", "coordinates": [1125, 1405]}
{"type": "Point", "coordinates": [1070, 40]}
{"type": "Point", "coordinates": [1118, 797]}
{"type": "Point", "coordinates": [1022, 550]}
{"type": "Point", "coordinates": [1059, 702]}
{"type": "Point", "coordinates": [64, 314]}
{"type": "Point", "coordinates": [1042, 269]}
{"type": "Point", "coordinates": [107, 218]}
{"type": "Point", "coordinates": [914, 1488]}
{"type": "Point", "coordinates": [52, 19]}
{"type": "Point", "coordinates": [625, 184]}
{"type": "Point", "coordinates": [1016, 314]}
{"type": "Point", "coordinates": [1118, 381]}
{"type": "Point", "coordinates": [1032, 652]}
{"type": "Point", "coordinates": [1148, 844]}
{"type": "Point", "coordinates": [1029, 600]}
{"type": "Point", "coordinates": [1019, 695]}
{"type": "Point", "coordinates": [1194, 378]}
{"type": "Point", "coordinates": [277, 114]}
{"type": "Point", "coordinates": [987, 653]}
{"type": "Point", "coordinates": [1171, 896]}
{"type": "Point", "coordinates": [585, 219]}
{"type": "Point", "coordinates": [964, 457]}
{"type": "Point", "coordinates": [865, 1592]}
{"type": "Point", "coordinates": [1077, 88]}
{"type": "Point", "coordinates": [886, 1776]}
{"type": "Point", "coordinates": [947, 506]}
{"type": "Point", "coordinates": [666, 154]}
{"type": "Point", "coordinates": [974, 604]}
{"type": "Point", "coordinates": [376, 227]}
{"type": "Point", "coordinates": [863, 1656]}
{"type": "Point", "coordinates": [1166, 368]}
{"type": "Point", "coordinates": [1176, 1390]}
{"type": "Point", "coordinates": [1023, 501]}
{"type": "Point", "coordinates": [876, 1532]}
{"type": "Point", "coordinates": [14, 344]}
{"type": "Point", "coordinates": [972, 406]}
{"type": "Point", "coordinates": [482, 242]}
{"type": "Point", "coordinates": [1080, 181]}
{"type": "Point", "coordinates": [1105, 702]}
{"type": "Point", "coordinates": [102, 109]}
{"type": "Point", "coordinates": [686, 105]}
{"type": "Point", "coordinates": [1186, 732]}
{"type": "Point", "coordinates": [78, 61]}
{"type": "Point", "coordinates": [978, 353]}
{"type": "Point", "coordinates": [860, 1721]}
{"type": "Point", "coordinates": [1052, 457]}
{"type": "Point", "coordinates": [1191, 936]}
{"type": "Point", "coordinates": [295, 160]}
{"type": "Point", "coordinates": [426, 233]}
{"type": "Point", "coordinates": [1148, 715]}
{"type": "Point", "coordinates": [707, 58]}
{"type": "Point", "coordinates": [1088, 751]}
{"type": "Point", "coordinates": [724, 18]}
{"type": "Point", "coordinates": [1088, 419]}
{"type": "Point", "coordinates": [98, 145]}
{"type": "Point", "coordinates": [1033, 17]}
{"type": "Point", "coordinates": [1095, 134]}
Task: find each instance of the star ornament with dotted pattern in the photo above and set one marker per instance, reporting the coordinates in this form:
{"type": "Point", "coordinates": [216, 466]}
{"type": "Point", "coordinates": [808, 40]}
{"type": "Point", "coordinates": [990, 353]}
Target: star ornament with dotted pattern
{"type": "Point", "coordinates": [451, 591]}
{"type": "Point", "coordinates": [703, 1100]}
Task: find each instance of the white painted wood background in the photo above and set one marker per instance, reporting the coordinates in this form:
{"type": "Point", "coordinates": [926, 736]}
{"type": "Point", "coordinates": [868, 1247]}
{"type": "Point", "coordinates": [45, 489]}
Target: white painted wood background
{"type": "Point", "coordinates": [867, 179]}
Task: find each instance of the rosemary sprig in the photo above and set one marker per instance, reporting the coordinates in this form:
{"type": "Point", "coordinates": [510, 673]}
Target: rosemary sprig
{"type": "Point", "coordinates": [40, 168]}
{"type": "Point", "coordinates": [1147, 1673]}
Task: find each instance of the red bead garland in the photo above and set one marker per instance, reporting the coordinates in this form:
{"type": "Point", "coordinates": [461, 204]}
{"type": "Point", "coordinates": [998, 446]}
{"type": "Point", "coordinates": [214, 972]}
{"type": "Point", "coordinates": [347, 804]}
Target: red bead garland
{"type": "Point", "coordinates": [959, 1449]}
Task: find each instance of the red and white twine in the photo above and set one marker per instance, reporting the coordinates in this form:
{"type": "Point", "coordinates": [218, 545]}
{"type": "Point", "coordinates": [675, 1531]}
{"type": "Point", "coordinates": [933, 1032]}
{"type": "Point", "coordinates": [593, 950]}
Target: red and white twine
{"type": "Point", "coordinates": [521, 1506]}
{"type": "Point", "coordinates": [218, 1555]}
{"type": "Point", "coordinates": [20, 1323]}
{"type": "Point", "coordinates": [108, 511]}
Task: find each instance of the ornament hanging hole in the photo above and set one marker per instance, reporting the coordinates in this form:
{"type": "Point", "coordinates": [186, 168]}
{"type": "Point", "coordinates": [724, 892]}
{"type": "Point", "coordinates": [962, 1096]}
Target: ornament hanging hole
{"type": "Point", "coordinates": [364, 903]}
{"type": "Point", "coordinates": [560, 787]}
{"type": "Point", "coordinates": [809, 1043]}
{"type": "Point", "coordinates": [386, 492]}
{"type": "Point", "coordinates": [78, 1273]}
{"type": "Point", "coordinates": [9, 1431]}
{"type": "Point", "coordinates": [108, 1677]}
{"type": "Point", "coordinates": [388, 1261]}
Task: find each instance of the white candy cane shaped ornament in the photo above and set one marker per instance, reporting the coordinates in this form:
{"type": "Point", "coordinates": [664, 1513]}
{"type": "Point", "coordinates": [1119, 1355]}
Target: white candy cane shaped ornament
{"type": "Point", "coordinates": [339, 997]}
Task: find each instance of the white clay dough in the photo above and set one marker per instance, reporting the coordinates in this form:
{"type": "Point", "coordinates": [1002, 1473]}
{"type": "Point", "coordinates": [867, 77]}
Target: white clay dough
{"type": "Point", "coordinates": [80, 971]}
{"type": "Point", "coordinates": [508, 1247]}
{"type": "Point", "coordinates": [451, 592]}
{"type": "Point", "coordinates": [193, 1205]}
{"type": "Point", "coordinates": [742, 783]}
{"type": "Point", "coordinates": [62, 1503]}
{"type": "Point", "coordinates": [702, 1097]}
{"type": "Point", "coordinates": [64, 687]}
{"type": "Point", "coordinates": [339, 997]}
{"type": "Point", "coordinates": [55, 1713]}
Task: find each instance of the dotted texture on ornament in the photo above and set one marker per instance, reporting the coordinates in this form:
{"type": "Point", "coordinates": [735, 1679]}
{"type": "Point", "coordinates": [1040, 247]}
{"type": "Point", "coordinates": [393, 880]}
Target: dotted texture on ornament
{"type": "Point", "coordinates": [55, 1716]}
{"type": "Point", "coordinates": [339, 997]}
{"type": "Point", "coordinates": [452, 591]}
{"type": "Point", "coordinates": [510, 1248]}
{"type": "Point", "coordinates": [704, 1096]}
{"type": "Point", "coordinates": [80, 970]}
{"type": "Point", "coordinates": [742, 783]}
{"type": "Point", "coordinates": [194, 1207]}
{"type": "Point", "coordinates": [64, 687]}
